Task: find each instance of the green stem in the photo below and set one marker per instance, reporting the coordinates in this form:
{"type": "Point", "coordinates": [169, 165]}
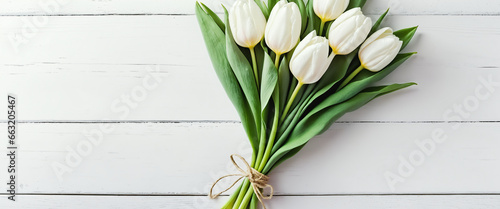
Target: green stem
{"type": "Point", "coordinates": [241, 191]}
{"type": "Point", "coordinates": [261, 157]}
{"type": "Point", "coordinates": [293, 117]}
{"type": "Point", "coordinates": [277, 61]}
{"type": "Point", "coordinates": [274, 129]}
{"type": "Point", "coordinates": [262, 143]}
{"type": "Point", "coordinates": [348, 79]}
{"type": "Point", "coordinates": [263, 131]}
{"type": "Point", "coordinates": [272, 137]}
{"type": "Point", "coordinates": [229, 204]}
{"type": "Point", "coordinates": [254, 65]}
{"type": "Point", "coordinates": [247, 198]}
{"type": "Point", "coordinates": [321, 28]}
{"type": "Point", "coordinates": [247, 192]}
{"type": "Point", "coordinates": [253, 159]}
{"type": "Point", "coordinates": [241, 194]}
{"type": "Point", "coordinates": [290, 102]}
{"type": "Point", "coordinates": [254, 202]}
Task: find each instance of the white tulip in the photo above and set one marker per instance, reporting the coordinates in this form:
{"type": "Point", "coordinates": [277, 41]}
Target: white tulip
{"type": "Point", "coordinates": [328, 10]}
{"type": "Point", "coordinates": [379, 50]}
{"type": "Point", "coordinates": [247, 23]}
{"type": "Point", "coordinates": [308, 64]}
{"type": "Point", "coordinates": [283, 27]}
{"type": "Point", "coordinates": [349, 31]}
{"type": "Point", "coordinates": [310, 60]}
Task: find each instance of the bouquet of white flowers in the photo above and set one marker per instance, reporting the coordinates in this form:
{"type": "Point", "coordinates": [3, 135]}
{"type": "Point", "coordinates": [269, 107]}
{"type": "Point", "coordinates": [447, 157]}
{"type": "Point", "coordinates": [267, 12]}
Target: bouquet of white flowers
{"type": "Point", "coordinates": [292, 69]}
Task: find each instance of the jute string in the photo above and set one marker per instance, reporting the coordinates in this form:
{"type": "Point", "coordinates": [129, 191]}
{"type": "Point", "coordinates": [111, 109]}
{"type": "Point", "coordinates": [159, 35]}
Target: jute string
{"type": "Point", "coordinates": [257, 179]}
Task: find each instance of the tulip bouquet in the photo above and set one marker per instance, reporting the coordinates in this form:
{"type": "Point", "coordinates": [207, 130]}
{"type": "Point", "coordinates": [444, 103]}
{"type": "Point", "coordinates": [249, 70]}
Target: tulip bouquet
{"type": "Point", "coordinates": [291, 69]}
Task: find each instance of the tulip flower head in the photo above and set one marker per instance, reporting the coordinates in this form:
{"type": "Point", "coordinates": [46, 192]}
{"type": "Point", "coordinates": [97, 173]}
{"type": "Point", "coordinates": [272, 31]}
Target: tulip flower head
{"type": "Point", "coordinates": [328, 10]}
{"type": "Point", "coordinates": [310, 60]}
{"type": "Point", "coordinates": [349, 31]}
{"type": "Point", "coordinates": [247, 23]}
{"type": "Point", "coordinates": [308, 64]}
{"type": "Point", "coordinates": [376, 53]}
{"type": "Point", "coordinates": [379, 50]}
{"type": "Point", "coordinates": [283, 27]}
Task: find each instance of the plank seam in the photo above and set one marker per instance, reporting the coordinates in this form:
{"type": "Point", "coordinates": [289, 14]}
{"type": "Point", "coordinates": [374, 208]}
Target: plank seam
{"type": "Point", "coordinates": [162, 14]}
{"type": "Point", "coordinates": [232, 122]}
{"type": "Point", "coordinates": [277, 195]}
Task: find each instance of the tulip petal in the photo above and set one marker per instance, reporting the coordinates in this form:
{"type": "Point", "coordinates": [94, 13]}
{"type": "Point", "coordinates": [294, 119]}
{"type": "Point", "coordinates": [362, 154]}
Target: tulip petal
{"type": "Point", "coordinates": [349, 31]}
{"type": "Point", "coordinates": [284, 27]}
{"type": "Point", "coordinates": [379, 50]}
{"type": "Point", "coordinates": [247, 23]}
{"type": "Point", "coordinates": [310, 59]}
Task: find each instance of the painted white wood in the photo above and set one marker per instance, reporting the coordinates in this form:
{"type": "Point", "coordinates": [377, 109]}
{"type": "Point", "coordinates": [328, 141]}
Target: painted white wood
{"type": "Point", "coordinates": [71, 7]}
{"type": "Point", "coordinates": [78, 68]}
{"type": "Point", "coordinates": [185, 158]}
{"type": "Point", "coordinates": [74, 63]}
{"type": "Point", "coordinates": [337, 202]}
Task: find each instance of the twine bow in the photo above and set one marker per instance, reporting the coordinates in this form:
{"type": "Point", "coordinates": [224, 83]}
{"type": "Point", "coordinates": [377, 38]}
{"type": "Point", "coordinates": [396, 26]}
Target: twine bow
{"type": "Point", "coordinates": [257, 179]}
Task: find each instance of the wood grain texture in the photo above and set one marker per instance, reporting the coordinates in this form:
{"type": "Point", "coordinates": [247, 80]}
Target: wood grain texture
{"type": "Point", "coordinates": [143, 65]}
{"type": "Point", "coordinates": [79, 7]}
{"type": "Point", "coordinates": [185, 158]}
{"type": "Point", "coordinates": [337, 202]}
{"type": "Point", "coordinates": [83, 67]}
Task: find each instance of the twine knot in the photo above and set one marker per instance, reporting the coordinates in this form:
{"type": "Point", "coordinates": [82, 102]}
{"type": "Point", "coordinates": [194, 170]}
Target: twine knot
{"type": "Point", "coordinates": [256, 179]}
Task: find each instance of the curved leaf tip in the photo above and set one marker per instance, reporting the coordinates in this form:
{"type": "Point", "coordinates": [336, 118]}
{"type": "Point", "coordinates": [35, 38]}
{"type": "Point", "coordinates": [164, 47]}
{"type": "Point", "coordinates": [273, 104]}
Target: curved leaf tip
{"type": "Point", "coordinates": [406, 35]}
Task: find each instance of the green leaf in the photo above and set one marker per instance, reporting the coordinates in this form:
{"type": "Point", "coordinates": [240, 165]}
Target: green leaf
{"type": "Point", "coordinates": [340, 66]}
{"type": "Point", "coordinates": [379, 21]}
{"type": "Point", "coordinates": [306, 89]}
{"type": "Point", "coordinates": [336, 71]}
{"type": "Point", "coordinates": [354, 103]}
{"type": "Point", "coordinates": [263, 8]}
{"type": "Point", "coordinates": [356, 3]}
{"type": "Point", "coordinates": [334, 74]}
{"type": "Point", "coordinates": [270, 4]}
{"type": "Point", "coordinates": [313, 22]}
{"type": "Point", "coordinates": [328, 25]}
{"type": "Point", "coordinates": [363, 80]}
{"type": "Point", "coordinates": [285, 157]}
{"type": "Point", "coordinates": [315, 124]}
{"type": "Point", "coordinates": [243, 71]}
{"type": "Point", "coordinates": [303, 95]}
{"type": "Point", "coordinates": [284, 82]}
{"type": "Point", "coordinates": [406, 35]}
{"type": "Point", "coordinates": [292, 85]}
{"type": "Point", "coordinates": [214, 17]}
{"type": "Point", "coordinates": [269, 80]}
{"type": "Point", "coordinates": [216, 46]}
{"type": "Point", "coordinates": [259, 55]}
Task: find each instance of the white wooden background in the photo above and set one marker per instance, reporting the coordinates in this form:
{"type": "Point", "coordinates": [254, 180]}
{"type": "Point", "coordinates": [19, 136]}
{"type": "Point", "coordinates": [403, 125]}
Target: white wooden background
{"type": "Point", "coordinates": [72, 65]}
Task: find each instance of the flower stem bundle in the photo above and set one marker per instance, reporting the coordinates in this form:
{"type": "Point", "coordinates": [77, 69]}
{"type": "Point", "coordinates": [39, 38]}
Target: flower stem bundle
{"type": "Point", "coordinates": [289, 81]}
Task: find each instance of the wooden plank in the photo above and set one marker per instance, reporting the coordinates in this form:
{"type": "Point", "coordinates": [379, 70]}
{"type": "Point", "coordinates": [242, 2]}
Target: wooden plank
{"type": "Point", "coordinates": [98, 59]}
{"type": "Point", "coordinates": [185, 158]}
{"type": "Point", "coordinates": [66, 7]}
{"type": "Point", "coordinates": [339, 202]}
